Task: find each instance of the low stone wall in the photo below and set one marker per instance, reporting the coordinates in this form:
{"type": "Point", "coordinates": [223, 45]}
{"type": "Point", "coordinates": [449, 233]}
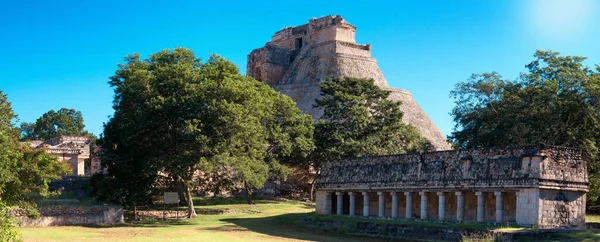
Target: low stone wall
{"type": "Point", "coordinates": [172, 214]}
{"type": "Point", "coordinates": [72, 215]}
{"type": "Point", "coordinates": [401, 231]}
{"type": "Point", "coordinates": [415, 232]}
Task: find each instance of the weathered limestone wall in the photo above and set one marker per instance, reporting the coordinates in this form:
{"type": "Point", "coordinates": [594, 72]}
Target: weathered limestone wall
{"type": "Point", "coordinates": [71, 215]}
{"type": "Point", "coordinates": [542, 186]}
{"type": "Point", "coordinates": [71, 149]}
{"type": "Point", "coordinates": [561, 209]}
{"type": "Point", "coordinates": [414, 114]}
{"type": "Point", "coordinates": [298, 59]}
{"type": "Point", "coordinates": [528, 206]}
{"type": "Point", "coordinates": [477, 168]}
{"type": "Point", "coordinates": [321, 202]}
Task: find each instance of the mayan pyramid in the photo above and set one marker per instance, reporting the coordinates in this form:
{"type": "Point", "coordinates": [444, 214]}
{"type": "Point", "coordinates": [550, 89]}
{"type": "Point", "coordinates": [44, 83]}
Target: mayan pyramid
{"type": "Point", "coordinates": [298, 59]}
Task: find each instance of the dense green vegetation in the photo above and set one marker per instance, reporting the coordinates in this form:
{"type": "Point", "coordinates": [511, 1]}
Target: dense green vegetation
{"type": "Point", "coordinates": [54, 124]}
{"type": "Point", "coordinates": [556, 102]}
{"type": "Point", "coordinates": [24, 172]}
{"type": "Point", "coordinates": [359, 120]}
{"type": "Point", "coordinates": [181, 119]}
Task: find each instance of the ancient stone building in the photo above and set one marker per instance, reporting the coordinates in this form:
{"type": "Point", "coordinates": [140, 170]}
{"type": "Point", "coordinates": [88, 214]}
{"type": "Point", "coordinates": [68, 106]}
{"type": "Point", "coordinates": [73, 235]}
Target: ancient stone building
{"type": "Point", "coordinates": [539, 186]}
{"type": "Point", "coordinates": [298, 59]}
{"type": "Point", "coordinates": [72, 149]}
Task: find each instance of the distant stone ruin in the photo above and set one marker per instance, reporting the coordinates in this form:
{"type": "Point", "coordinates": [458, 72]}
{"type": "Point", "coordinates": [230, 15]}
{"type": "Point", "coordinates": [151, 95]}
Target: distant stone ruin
{"type": "Point", "coordinates": [72, 149]}
{"type": "Point", "coordinates": [298, 59]}
{"type": "Point", "coordinates": [541, 186]}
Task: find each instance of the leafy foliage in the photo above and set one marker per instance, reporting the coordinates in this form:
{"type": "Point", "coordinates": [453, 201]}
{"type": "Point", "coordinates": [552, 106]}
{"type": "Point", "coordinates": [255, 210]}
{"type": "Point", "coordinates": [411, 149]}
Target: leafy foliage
{"type": "Point", "coordinates": [53, 124]}
{"type": "Point", "coordinates": [177, 116]}
{"type": "Point", "coordinates": [7, 224]}
{"type": "Point", "coordinates": [358, 120]}
{"type": "Point", "coordinates": [556, 102]}
{"type": "Point", "coordinates": [23, 171]}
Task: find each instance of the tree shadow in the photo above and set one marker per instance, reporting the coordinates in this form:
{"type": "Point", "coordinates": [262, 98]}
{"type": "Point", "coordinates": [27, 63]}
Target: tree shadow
{"type": "Point", "coordinates": [203, 201]}
{"type": "Point", "coordinates": [290, 226]}
{"type": "Point", "coordinates": [143, 223]}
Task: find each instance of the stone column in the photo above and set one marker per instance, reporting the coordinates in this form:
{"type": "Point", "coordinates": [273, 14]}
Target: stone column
{"type": "Point", "coordinates": [328, 202]}
{"type": "Point", "coordinates": [394, 204]}
{"type": "Point", "coordinates": [352, 211]}
{"type": "Point", "coordinates": [381, 211]}
{"type": "Point", "coordinates": [408, 204]}
{"type": "Point", "coordinates": [499, 207]}
{"type": "Point", "coordinates": [366, 200]}
{"type": "Point", "coordinates": [460, 206]}
{"type": "Point", "coordinates": [339, 198]}
{"type": "Point", "coordinates": [423, 205]}
{"type": "Point", "coordinates": [480, 206]}
{"type": "Point", "coordinates": [442, 206]}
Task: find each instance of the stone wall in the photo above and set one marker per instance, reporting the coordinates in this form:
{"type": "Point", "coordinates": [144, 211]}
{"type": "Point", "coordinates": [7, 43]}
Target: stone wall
{"type": "Point", "coordinates": [71, 149]}
{"type": "Point", "coordinates": [541, 186]}
{"type": "Point", "coordinates": [428, 232]}
{"type": "Point", "coordinates": [72, 215]}
{"type": "Point", "coordinates": [528, 206]}
{"type": "Point", "coordinates": [476, 168]}
{"type": "Point", "coordinates": [561, 209]}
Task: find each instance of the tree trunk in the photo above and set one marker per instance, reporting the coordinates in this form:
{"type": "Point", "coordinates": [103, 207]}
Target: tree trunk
{"type": "Point", "coordinates": [135, 217]}
{"type": "Point", "coordinates": [190, 201]}
{"type": "Point", "coordinates": [312, 191]}
{"type": "Point", "coordinates": [180, 191]}
{"type": "Point", "coordinates": [248, 192]}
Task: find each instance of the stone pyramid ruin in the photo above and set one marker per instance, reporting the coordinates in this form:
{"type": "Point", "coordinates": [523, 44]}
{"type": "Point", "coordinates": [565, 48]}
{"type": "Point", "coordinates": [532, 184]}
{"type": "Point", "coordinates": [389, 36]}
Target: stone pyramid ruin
{"type": "Point", "coordinates": [298, 59]}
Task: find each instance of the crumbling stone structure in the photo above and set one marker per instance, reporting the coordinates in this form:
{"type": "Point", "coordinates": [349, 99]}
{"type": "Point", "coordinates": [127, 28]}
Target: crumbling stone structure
{"type": "Point", "coordinates": [298, 59]}
{"type": "Point", "coordinates": [541, 186]}
{"type": "Point", "coordinates": [72, 149]}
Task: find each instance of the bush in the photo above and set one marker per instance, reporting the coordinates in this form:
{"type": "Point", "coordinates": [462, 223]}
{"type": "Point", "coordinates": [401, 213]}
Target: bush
{"type": "Point", "coordinates": [7, 225]}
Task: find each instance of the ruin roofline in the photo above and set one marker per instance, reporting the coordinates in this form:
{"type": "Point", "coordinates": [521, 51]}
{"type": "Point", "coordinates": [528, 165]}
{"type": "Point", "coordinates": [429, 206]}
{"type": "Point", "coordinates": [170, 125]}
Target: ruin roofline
{"type": "Point", "coordinates": [319, 23]}
{"type": "Point", "coordinates": [538, 148]}
{"type": "Point", "coordinates": [534, 166]}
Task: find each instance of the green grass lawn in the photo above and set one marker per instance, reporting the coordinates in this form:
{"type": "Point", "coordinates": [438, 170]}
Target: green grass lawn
{"type": "Point", "coordinates": [263, 221]}
{"type": "Point", "coordinates": [241, 222]}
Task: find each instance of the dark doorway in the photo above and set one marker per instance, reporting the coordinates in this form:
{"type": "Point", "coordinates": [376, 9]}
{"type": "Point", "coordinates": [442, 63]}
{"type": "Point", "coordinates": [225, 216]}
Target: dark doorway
{"type": "Point", "coordinates": [298, 43]}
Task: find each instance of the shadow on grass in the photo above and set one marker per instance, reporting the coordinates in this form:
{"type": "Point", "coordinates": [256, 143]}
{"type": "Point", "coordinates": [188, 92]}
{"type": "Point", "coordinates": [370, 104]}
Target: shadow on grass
{"type": "Point", "coordinates": [294, 226]}
{"type": "Point", "coordinates": [145, 223]}
{"type": "Point", "coordinates": [290, 226]}
{"type": "Point", "coordinates": [202, 201]}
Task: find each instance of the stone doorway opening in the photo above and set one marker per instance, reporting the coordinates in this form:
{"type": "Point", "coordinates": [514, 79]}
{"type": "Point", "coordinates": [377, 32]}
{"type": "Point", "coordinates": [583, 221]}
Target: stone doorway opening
{"type": "Point", "coordinates": [297, 43]}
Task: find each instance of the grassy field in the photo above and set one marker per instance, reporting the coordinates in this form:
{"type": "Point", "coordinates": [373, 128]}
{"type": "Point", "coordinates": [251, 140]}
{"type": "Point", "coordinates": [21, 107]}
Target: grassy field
{"type": "Point", "coordinates": [240, 222]}
{"type": "Point", "coordinates": [264, 221]}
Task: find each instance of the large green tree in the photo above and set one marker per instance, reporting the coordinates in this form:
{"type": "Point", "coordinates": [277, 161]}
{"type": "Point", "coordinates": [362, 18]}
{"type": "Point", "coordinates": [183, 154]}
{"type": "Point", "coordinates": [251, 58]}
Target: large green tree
{"type": "Point", "coordinates": [359, 120]}
{"type": "Point", "coordinates": [178, 116]}
{"type": "Point", "coordinates": [254, 130]}
{"type": "Point", "coordinates": [23, 171]}
{"type": "Point", "coordinates": [556, 102]}
{"type": "Point", "coordinates": [53, 124]}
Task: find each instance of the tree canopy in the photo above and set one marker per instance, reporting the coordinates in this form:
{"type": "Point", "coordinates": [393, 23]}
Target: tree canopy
{"type": "Point", "coordinates": [359, 120]}
{"type": "Point", "coordinates": [23, 171]}
{"type": "Point", "coordinates": [177, 116]}
{"type": "Point", "coordinates": [556, 102]}
{"type": "Point", "coordinates": [53, 124]}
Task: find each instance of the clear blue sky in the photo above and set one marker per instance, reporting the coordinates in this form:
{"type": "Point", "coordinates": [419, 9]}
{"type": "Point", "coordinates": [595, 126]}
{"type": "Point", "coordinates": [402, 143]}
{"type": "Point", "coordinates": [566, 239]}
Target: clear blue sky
{"type": "Point", "coordinates": [58, 54]}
